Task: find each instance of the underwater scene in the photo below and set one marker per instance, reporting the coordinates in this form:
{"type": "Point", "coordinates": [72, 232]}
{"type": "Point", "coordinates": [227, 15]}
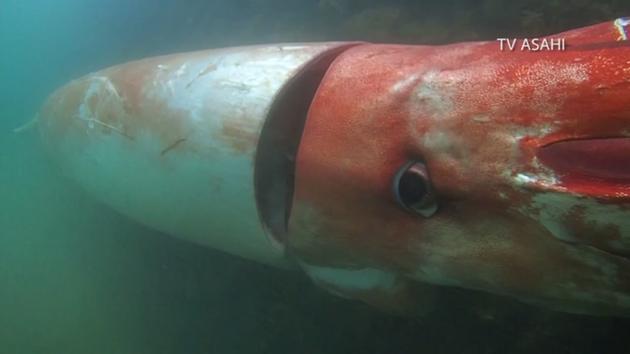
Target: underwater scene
{"type": "Point", "coordinates": [317, 177]}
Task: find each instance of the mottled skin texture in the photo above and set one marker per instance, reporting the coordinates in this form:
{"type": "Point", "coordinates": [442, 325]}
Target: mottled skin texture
{"type": "Point", "coordinates": [123, 103]}
{"type": "Point", "coordinates": [546, 233]}
{"type": "Point", "coordinates": [171, 141]}
{"type": "Point", "coordinates": [528, 154]}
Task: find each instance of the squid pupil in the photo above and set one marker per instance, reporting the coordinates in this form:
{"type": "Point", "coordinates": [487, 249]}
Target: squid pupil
{"type": "Point", "coordinates": [412, 189]}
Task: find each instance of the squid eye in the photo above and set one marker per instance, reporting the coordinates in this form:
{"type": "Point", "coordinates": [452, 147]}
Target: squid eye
{"type": "Point", "coordinates": [413, 190]}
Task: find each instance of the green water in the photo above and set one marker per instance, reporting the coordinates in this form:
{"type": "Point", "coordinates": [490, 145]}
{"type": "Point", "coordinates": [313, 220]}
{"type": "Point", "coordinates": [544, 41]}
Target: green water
{"type": "Point", "coordinates": [75, 277]}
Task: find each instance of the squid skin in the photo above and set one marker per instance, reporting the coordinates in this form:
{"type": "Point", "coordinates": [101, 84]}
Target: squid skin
{"type": "Point", "coordinates": [376, 169]}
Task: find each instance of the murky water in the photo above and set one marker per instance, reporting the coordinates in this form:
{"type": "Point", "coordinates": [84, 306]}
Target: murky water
{"type": "Point", "coordinates": [76, 277]}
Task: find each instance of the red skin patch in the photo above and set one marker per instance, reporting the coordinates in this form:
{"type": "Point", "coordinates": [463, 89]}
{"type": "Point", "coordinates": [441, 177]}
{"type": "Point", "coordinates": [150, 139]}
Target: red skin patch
{"type": "Point", "coordinates": [478, 118]}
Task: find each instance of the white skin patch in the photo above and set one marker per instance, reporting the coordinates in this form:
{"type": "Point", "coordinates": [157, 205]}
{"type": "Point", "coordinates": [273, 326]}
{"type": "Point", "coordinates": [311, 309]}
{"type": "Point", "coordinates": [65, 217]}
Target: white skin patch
{"type": "Point", "coordinates": [524, 179]}
{"type": "Point", "coordinates": [352, 279]}
{"type": "Point", "coordinates": [621, 24]}
{"type": "Point", "coordinates": [550, 208]}
{"type": "Point", "coordinates": [106, 94]}
{"type": "Point", "coordinates": [545, 177]}
{"type": "Point", "coordinates": [403, 84]}
{"type": "Point", "coordinates": [540, 130]}
{"type": "Point", "coordinates": [438, 141]}
{"type": "Point", "coordinates": [181, 70]}
{"type": "Point", "coordinates": [429, 96]}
